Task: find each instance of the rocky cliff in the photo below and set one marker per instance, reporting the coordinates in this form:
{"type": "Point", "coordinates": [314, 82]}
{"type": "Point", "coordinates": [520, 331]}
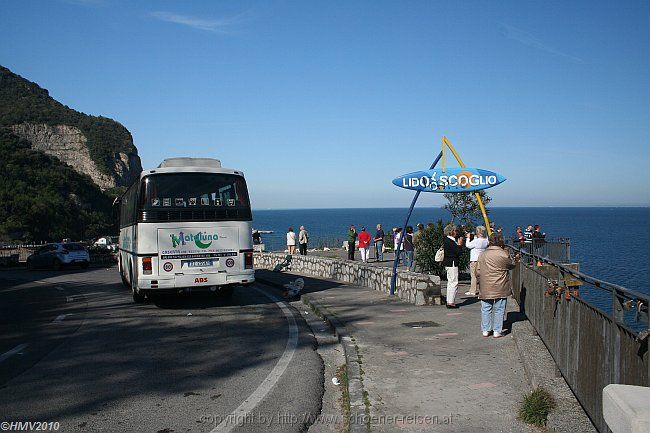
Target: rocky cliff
{"type": "Point", "coordinates": [44, 199]}
{"type": "Point", "coordinates": [96, 146]}
{"type": "Point", "coordinates": [70, 145]}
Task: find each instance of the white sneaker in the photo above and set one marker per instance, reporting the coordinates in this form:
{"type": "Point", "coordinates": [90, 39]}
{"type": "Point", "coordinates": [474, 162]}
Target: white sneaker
{"type": "Point", "coordinates": [498, 335]}
{"type": "Point", "coordinates": [486, 333]}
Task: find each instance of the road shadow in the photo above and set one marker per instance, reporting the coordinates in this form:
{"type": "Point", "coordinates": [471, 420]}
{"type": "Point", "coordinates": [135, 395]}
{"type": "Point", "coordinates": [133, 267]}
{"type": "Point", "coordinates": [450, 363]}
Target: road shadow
{"type": "Point", "coordinates": [16, 276]}
{"type": "Point", "coordinates": [312, 284]}
{"type": "Point", "coordinates": [127, 353]}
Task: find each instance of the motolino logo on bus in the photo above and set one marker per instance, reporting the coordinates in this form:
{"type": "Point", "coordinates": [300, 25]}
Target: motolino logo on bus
{"type": "Point", "coordinates": [451, 180]}
{"type": "Point", "coordinates": [200, 239]}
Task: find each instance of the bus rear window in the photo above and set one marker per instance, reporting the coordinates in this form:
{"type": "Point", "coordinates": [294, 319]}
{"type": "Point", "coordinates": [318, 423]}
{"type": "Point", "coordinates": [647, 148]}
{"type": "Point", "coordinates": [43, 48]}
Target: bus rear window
{"type": "Point", "coordinates": [193, 190]}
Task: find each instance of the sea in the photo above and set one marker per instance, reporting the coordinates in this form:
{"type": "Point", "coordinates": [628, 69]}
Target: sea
{"type": "Point", "coordinates": [610, 243]}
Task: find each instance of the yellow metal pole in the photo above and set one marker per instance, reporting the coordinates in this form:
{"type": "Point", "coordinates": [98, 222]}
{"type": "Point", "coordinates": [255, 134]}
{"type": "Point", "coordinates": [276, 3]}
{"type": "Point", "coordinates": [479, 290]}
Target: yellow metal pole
{"type": "Point", "coordinates": [444, 160]}
{"type": "Point", "coordinates": [446, 143]}
{"type": "Point", "coordinates": [485, 217]}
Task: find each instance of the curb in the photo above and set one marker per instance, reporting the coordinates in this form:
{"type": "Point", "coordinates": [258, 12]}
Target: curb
{"type": "Point", "coordinates": [357, 416]}
{"type": "Point", "coordinates": [355, 382]}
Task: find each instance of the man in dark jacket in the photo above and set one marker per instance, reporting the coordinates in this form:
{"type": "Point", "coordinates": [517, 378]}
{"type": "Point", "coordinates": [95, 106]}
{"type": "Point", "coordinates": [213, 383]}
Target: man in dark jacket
{"type": "Point", "coordinates": [452, 244]}
{"type": "Point", "coordinates": [538, 237]}
{"type": "Point", "coordinates": [352, 240]}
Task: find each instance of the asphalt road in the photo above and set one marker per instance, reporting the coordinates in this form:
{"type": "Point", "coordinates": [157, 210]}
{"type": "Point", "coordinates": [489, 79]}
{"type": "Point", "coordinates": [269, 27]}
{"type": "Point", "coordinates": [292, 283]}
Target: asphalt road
{"type": "Point", "coordinates": [76, 350]}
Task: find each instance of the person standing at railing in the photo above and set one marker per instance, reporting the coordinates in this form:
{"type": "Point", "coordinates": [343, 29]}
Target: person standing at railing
{"type": "Point", "coordinates": [409, 249]}
{"type": "Point", "coordinates": [519, 236]}
{"type": "Point", "coordinates": [415, 238]}
{"type": "Point", "coordinates": [452, 245]}
{"type": "Point", "coordinates": [528, 234]}
{"type": "Point", "coordinates": [352, 240]}
{"type": "Point", "coordinates": [364, 244]}
{"type": "Point", "coordinates": [494, 285]}
{"type": "Point", "coordinates": [291, 241]}
{"type": "Point", "coordinates": [528, 239]}
{"type": "Point", "coordinates": [303, 239]}
{"type": "Point", "coordinates": [379, 244]}
{"type": "Point", "coordinates": [476, 247]}
{"type": "Point", "coordinates": [538, 238]}
{"type": "Point", "coordinates": [397, 233]}
{"type": "Point", "coordinates": [257, 237]}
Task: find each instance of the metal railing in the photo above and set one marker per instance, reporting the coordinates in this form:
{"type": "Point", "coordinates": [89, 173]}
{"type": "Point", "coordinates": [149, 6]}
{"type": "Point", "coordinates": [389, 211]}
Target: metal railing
{"type": "Point", "coordinates": [558, 250]}
{"type": "Point", "coordinates": [592, 345]}
{"type": "Point", "coordinates": [19, 251]}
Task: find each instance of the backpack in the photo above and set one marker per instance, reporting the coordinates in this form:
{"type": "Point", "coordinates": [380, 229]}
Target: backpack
{"type": "Point", "coordinates": [440, 254]}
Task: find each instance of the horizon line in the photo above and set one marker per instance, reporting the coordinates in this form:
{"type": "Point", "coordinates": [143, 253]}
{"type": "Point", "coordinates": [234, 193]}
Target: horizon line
{"type": "Point", "coordinates": [440, 207]}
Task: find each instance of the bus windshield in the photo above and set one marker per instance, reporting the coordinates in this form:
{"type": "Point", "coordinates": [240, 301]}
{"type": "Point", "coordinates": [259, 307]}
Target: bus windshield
{"type": "Point", "coordinates": [193, 190]}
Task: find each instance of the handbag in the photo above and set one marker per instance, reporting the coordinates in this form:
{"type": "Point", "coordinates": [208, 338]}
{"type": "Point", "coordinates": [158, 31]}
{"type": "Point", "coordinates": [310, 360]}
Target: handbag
{"type": "Point", "coordinates": [440, 254]}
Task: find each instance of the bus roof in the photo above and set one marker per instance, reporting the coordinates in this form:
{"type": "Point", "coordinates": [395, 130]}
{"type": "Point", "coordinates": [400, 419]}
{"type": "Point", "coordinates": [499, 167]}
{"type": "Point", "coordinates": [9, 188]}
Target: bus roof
{"type": "Point", "coordinates": [190, 162]}
{"type": "Point", "coordinates": [190, 165]}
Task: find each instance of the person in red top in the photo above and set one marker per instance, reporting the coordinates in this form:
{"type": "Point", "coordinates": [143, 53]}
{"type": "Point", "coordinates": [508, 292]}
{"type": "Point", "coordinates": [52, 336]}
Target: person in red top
{"type": "Point", "coordinates": [364, 244]}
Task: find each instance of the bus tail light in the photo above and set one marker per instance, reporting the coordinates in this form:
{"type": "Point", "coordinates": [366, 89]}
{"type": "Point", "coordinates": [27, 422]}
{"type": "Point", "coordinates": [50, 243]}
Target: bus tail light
{"type": "Point", "coordinates": [146, 265]}
{"type": "Point", "coordinates": [248, 260]}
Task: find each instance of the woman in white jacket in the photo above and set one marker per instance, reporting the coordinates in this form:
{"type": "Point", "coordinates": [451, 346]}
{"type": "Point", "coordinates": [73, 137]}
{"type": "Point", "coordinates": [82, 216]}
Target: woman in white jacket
{"type": "Point", "coordinates": [291, 241]}
{"type": "Point", "coordinates": [476, 247]}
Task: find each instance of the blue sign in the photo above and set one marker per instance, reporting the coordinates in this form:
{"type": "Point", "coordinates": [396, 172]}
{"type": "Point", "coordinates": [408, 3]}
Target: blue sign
{"type": "Point", "coordinates": [458, 179]}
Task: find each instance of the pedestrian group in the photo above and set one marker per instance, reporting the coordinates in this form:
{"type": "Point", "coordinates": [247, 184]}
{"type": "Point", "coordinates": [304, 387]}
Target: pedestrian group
{"type": "Point", "coordinates": [489, 262]}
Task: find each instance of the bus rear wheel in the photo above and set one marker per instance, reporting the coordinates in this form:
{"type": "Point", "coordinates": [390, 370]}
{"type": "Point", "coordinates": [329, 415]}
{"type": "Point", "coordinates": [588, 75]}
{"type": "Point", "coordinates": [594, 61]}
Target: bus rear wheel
{"type": "Point", "coordinates": [121, 269]}
{"type": "Point", "coordinates": [138, 296]}
{"type": "Point", "coordinates": [225, 292]}
{"type": "Point", "coordinates": [124, 280]}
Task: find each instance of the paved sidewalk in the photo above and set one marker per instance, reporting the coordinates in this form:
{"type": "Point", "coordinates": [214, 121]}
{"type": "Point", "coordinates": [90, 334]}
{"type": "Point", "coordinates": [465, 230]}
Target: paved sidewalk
{"type": "Point", "coordinates": [443, 368]}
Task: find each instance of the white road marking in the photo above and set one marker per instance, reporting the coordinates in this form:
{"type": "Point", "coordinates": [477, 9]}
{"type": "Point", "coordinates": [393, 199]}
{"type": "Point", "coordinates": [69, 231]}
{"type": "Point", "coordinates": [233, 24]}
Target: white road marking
{"type": "Point", "coordinates": [231, 421]}
{"type": "Point", "coordinates": [60, 318]}
{"type": "Point", "coordinates": [69, 299]}
{"type": "Point", "coordinates": [13, 351]}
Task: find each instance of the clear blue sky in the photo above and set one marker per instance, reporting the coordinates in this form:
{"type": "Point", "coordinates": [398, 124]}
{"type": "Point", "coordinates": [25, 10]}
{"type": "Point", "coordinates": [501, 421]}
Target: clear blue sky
{"type": "Point", "coordinates": [322, 104]}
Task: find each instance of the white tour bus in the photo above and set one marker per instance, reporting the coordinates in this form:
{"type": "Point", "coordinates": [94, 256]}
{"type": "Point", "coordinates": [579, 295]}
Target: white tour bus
{"type": "Point", "coordinates": [186, 226]}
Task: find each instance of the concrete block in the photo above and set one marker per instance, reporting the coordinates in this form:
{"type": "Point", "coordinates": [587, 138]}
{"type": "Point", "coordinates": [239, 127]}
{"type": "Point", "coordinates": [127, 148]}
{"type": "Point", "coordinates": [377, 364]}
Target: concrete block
{"type": "Point", "coordinates": [626, 408]}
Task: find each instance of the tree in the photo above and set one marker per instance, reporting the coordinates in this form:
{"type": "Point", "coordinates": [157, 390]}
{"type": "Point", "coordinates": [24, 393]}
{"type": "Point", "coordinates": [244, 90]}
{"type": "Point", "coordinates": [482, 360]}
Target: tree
{"type": "Point", "coordinates": [464, 208]}
{"type": "Point", "coordinates": [465, 212]}
{"type": "Point", "coordinates": [426, 245]}
{"type": "Point", "coordinates": [43, 199]}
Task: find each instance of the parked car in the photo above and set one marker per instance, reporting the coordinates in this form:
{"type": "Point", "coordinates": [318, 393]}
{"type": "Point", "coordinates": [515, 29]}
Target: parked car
{"type": "Point", "coordinates": [57, 255]}
{"type": "Point", "coordinates": [108, 242]}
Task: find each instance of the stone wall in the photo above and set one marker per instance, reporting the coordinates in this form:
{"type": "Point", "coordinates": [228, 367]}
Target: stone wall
{"type": "Point", "coordinates": [418, 289]}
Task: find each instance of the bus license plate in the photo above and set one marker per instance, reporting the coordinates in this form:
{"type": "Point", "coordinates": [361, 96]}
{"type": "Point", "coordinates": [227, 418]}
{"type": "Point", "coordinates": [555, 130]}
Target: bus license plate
{"type": "Point", "coordinates": [197, 263]}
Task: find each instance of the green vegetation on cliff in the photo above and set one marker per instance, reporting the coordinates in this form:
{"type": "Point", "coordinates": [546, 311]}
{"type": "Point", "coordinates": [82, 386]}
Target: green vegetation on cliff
{"type": "Point", "coordinates": [43, 199]}
{"type": "Point", "coordinates": [23, 101]}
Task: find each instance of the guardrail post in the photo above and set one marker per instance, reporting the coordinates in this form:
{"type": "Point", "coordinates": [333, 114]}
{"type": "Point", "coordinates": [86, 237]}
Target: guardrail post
{"type": "Point", "coordinates": [617, 307]}
{"type": "Point", "coordinates": [617, 317]}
